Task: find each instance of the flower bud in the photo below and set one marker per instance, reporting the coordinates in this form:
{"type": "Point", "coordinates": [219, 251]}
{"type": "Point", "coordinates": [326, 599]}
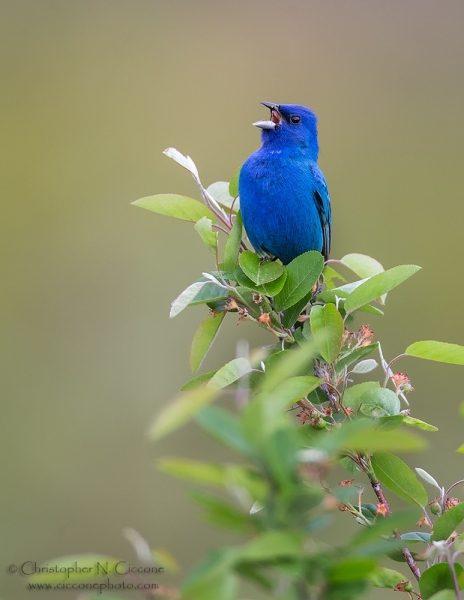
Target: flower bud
{"type": "Point", "coordinates": [435, 508]}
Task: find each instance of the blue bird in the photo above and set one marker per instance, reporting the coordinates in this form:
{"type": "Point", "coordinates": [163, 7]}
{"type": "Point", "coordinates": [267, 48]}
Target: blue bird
{"type": "Point", "coordinates": [284, 200]}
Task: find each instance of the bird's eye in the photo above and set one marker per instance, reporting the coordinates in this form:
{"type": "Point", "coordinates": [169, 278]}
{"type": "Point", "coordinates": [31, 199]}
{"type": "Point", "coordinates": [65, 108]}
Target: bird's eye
{"type": "Point", "coordinates": [295, 119]}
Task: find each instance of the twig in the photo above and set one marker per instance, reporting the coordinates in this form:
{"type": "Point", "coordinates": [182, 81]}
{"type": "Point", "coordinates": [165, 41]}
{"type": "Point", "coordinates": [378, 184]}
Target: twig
{"type": "Point", "coordinates": [453, 486]}
{"type": "Point", "coordinates": [221, 228]}
{"type": "Point", "coordinates": [332, 397]}
{"type": "Point", "coordinates": [457, 587]}
{"type": "Point", "coordinates": [375, 483]}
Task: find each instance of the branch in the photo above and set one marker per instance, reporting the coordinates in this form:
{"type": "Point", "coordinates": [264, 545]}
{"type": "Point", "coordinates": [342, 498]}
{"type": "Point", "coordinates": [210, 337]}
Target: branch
{"type": "Point", "coordinates": [375, 483]}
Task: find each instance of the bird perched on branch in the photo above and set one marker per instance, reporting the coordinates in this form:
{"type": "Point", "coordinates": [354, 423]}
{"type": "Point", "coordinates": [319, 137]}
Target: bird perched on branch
{"type": "Point", "coordinates": [284, 200]}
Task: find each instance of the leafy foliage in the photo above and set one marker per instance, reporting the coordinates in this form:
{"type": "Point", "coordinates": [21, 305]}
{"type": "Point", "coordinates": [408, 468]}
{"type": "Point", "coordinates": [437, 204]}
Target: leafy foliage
{"type": "Point", "coordinates": [359, 425]}
{"type": "Point", "coordinates": [281, 489]}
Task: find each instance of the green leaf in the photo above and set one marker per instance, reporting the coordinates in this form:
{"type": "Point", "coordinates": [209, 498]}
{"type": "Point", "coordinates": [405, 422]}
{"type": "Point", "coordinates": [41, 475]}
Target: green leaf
{"type": "Point", "coordinates": [225, 427]}
{"type": "Point", "coordinates": [233, 185]}
{"type": "Point", "coordinates": [416, 537]}
{"type": "Point", "coordinates": [369, 510]}
{"type": "Point", "coordinates": [362, 434]}
{"type": "Point", "coordinates": [219, 586]}
{"type": "Point", "coordinates": [390, 423]}
{"type": "Point", "coordinates": [380, 402]}
{"type": "Point", "coordinates": [329, 275]}
{"type": "Point", "coordinates": [349, 465]}
{"type": "Point", "coordinates": [448, 522]}
{"type": "Point", "coordinates": [194, 470]}
{"type": "Point", "coordinates": [184, 299]}
{"type": "Point", "coordinates": [259, 272]}
{"type": "Point", "coordinates": [253, 572]}
{"type": "Point", "coordinates": [378, 285]}
{"type": "Point", "coordinates": [444, 595]}
{"type": "Point", "coordinates": [271, 545]}
{"type": "Point", "coordinates": [204, 228]}
{"type": "Point", "coordinates": [355, 355]}
{"type": "Point", "coordinates": [90, 566]}
{"type": "Point", "coordinates": [365, 366]}
{"type": "Point", "coordinates": [291, 363]}
{"type": "Point", "coordinates": [384, 526]}
{"type": "Point", "coordinates": [246, 483]}
{"type": "Point", "coordinates": [386, 578]}
{"type": "Point", "coordinates": [353, 394]}
{"type": "Point", "coordinates": [230, 372]}
{"type": "Point", "coordinates": [221, 513]}
{"type": "Point", "coordinates": [397, 555]}
{"type": "Point", "coordinates": [182, 409]}
{"type": "Point", "coordinates": [372, 310]}
{"type": "Point", "coordinates": [212, 578]}
{"type": "Point", "coordinates": [351, 569]}
{"type": "Point", "coordinates": [236, 478]}
{"type": "Point", "coordinates": [291, 315]}
{"type": "Point", "coordinates": [302, 273]}
{"type": "Point", "coordinates": [364, 266]}
{"type": "Point", "coordinates": [173, 205]}
{"type": "Point", "coordinates": [428, 478]}
{"type": "Point", "coordinates": [274, 361]}
{"type": "Point", "coordinates": [209, 293]}
{"type": "Point", "coordinates": [412, 422]}
{"type": "Point", "coordinates": [327, 329]}
{"type": "Point", "coordinates": [231, 251]}
{"type": "Point", "coordinates": [264, 413]}
{"type": "Point", "coordinates": [204, 338]}
{"type": "Point", "coordinates": [437, 578]}
{"type": "Point", "coordinates": [295, 388]}
{"type": "Point", "coordinates": [399, 478]}
{"type": "Point", "coordinates": [197, 381]}
{"type": "Point", "coordinates": [439, 351]}
{"type": "Point", "coordinates": [342, 591]}
{"type": "Point", "coordinates": [318, 396]}
{"type": "Point", "coordinates": [342, 292]}
{"type": "Point", "coordinates": [383, 440]}
{"type": "Point", "coordinates": [460, 449]}
{"type": "Point", "coordinates": [269, 289]}
{"type": "Point", "coordinates": [220, 192]}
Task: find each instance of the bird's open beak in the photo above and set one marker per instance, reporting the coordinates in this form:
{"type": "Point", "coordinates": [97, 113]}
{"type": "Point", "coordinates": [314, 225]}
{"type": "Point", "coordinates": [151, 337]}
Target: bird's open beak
{"type": "Point", "coordinates": [276, 117]}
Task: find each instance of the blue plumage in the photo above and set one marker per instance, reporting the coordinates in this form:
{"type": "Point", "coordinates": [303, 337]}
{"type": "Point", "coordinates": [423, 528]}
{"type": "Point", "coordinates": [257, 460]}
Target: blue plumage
{"type": "Point", "coordinates": [284, 200]}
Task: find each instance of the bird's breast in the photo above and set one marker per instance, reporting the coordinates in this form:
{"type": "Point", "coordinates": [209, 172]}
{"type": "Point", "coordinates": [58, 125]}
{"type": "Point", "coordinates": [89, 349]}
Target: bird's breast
{"type": "Point", "coordinates": [275, 172]}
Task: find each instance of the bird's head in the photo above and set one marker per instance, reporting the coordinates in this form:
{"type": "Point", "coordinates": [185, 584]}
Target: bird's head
{"type": "Point", "coordinates": [290, 125]}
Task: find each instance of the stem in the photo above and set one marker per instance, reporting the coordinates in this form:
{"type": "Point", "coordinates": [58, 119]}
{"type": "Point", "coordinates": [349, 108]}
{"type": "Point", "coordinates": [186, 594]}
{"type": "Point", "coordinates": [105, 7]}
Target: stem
{"type": "Point", "coordinates": [379, 493]}
{"type": "Point", "coordinates": [340, 400]}
{"type": "Point", "coordinates": [234, 293]}
{"type": "Point", "coordinates": [388, 370]}
{"type": "Point", "coordinates": [408, 557]}
{"type": "Point", "coordinates": [427, 518]}
{"type": "Point", "coordinates": [332, 397]}
{"type": "Point", "coordinates": [375, 483]}
{"type": "Point", "coordinates": [453, 486]}
{"type": "Point", "coordinates": [454, 574]}
{"type": "Point", "coordinates": [221, 228]}
{"type": "Point", "coordinates": [212, 204]}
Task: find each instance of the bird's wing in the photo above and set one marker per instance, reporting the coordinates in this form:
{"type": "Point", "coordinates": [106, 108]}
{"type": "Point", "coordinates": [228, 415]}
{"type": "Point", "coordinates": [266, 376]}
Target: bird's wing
{"type": "Point", "coordinates": [322, 200]}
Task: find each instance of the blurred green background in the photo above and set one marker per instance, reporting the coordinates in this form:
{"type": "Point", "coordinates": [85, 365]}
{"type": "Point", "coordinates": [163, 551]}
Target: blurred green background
{"type": "Point", "coordinates": [92, 92]}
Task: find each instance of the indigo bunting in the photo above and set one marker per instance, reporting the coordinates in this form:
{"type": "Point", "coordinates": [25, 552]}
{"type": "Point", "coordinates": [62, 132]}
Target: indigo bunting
{"type": "Point", "coordinates": [284, 200]}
